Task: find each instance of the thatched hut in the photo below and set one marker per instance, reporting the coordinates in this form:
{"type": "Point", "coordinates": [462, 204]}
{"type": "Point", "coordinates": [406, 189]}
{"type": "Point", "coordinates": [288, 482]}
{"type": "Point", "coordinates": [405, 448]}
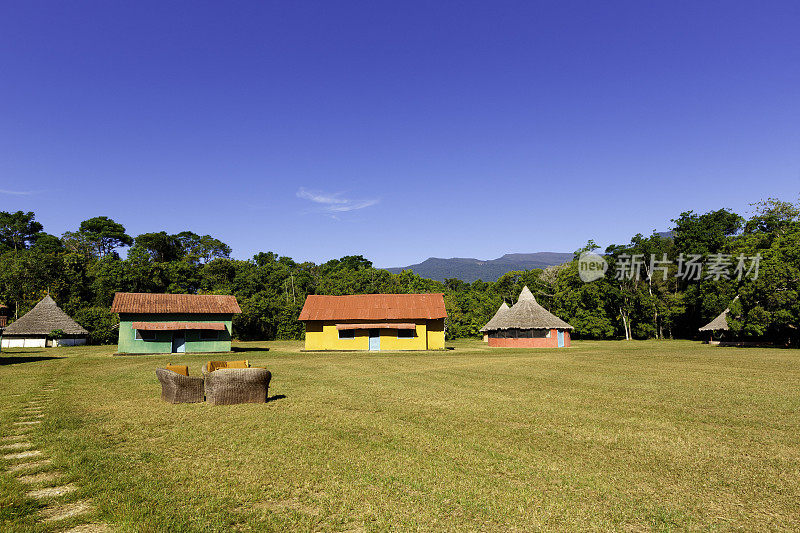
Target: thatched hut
{"type": "Point", "coordinates": [529, 325]}
{"type": "Point", "coordinates": [494, 320]}
{"type": "Point", "coordinates": [719, 325]}
{"type": "Point", "coordinates": [38, 327]}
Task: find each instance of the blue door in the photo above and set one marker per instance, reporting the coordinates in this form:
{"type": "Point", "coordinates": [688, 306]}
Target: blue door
{"type": "Point", "coordinates": [179, 342]}
{"type": "Point", "coordinates": [560, 339]}
{"type": "Point", "coordinates": [374, 340]}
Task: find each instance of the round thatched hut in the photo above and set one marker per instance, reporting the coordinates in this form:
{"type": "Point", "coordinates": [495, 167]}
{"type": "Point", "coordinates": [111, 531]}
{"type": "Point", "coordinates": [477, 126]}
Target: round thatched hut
{"type": "Point", "coordinates": [719, 325]}
{"type": "Point", "coordinates": [36, 328]}
{"type": "Point", "coordinates": [528, 325]}
{"type": "Point", "coordinates": [490, 325]}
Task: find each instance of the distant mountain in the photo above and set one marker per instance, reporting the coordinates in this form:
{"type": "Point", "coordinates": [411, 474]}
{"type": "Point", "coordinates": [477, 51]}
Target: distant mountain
{"type": "Point", "coordinates": [469, 270]}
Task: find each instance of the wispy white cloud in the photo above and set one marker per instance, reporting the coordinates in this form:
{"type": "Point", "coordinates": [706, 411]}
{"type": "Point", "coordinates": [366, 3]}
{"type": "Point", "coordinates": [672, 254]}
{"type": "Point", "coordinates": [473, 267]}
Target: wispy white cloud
{"type": "Point", "coordinates": [332, 203]}
{"type": "Point", "coordinates": [17, 193]}
{"type": "Point", "coordinates": [352, 206]}
{"type": "Point", "coordinates": [320, 197]}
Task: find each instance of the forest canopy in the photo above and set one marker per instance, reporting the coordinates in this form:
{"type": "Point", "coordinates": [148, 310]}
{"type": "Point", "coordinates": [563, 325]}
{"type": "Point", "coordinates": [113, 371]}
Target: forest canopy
{"type": "Point", "coordinates": [661, 285]}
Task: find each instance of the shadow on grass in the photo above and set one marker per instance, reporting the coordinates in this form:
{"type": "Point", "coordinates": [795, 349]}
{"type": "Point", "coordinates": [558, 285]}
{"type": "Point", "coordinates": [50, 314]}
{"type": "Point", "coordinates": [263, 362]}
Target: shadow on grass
{"type": "Point", "coordinates": [275, 398]}
{"type": "Point", "coordinates": [248, 349]}
{"type": "Point", "coordinates": [14, 360]}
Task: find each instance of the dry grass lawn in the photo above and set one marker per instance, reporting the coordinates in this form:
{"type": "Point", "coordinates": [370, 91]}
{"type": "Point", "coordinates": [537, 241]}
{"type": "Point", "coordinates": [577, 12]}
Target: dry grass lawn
{"type": "Point", "coordinates": [668, 435]}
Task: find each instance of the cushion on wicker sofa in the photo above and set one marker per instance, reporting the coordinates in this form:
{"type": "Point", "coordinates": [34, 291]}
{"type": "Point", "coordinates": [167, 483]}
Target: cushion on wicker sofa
{"type": "Point", "coordinates": [180, 369]}
{"type": "Point", "coordinates": [217, 365]}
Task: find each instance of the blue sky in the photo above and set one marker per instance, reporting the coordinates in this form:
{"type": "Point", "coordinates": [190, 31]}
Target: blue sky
{"type": "Point", "coordinates": [397, 130]}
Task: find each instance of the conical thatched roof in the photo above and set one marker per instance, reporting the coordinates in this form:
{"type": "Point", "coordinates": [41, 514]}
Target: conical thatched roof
{"type": "Point", "coordinates": [45, 317]}
{"type": "Point", "coordinates": [528, 314]}
{"type": "Point", "coordinates": [720, 323]}
{"type": "Point", "coordinates": [500, 312]}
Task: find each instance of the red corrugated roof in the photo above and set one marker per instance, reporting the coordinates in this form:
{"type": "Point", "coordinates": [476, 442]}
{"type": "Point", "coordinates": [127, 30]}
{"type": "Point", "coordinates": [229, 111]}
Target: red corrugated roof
{"type": "Point", "coordinates": [374, 307]}
{"type": "Point", "coordinates": [131, 302]}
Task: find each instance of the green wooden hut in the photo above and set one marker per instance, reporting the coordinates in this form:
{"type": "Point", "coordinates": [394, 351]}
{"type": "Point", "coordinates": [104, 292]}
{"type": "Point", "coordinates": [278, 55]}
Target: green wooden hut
{"type": "Point", "coordinates": [174, 323]}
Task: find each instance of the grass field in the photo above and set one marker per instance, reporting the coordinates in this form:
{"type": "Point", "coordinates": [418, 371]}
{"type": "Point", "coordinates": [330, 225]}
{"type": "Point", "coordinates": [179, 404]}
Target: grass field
{"type": "Point", "coordinates": [668, 435]}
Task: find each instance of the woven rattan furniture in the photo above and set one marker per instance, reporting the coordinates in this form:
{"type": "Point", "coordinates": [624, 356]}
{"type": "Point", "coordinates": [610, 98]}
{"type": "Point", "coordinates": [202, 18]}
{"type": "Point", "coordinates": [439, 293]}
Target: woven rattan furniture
{"type": "Point", "coordinates": [177, 388]}
{"type": "Point", "coordinates": [237, 385]}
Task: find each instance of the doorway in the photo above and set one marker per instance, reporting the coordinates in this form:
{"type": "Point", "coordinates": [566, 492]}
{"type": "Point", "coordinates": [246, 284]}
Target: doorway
{"type": "Point", "coordinates": [179, 342]}
{"type": "Point", "coordinates": [374, 340]}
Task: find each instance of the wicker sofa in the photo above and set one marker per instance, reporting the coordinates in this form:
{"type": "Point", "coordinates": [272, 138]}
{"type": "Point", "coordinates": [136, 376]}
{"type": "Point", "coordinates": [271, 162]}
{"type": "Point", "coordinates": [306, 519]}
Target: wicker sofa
{"type": "Point", "coordinates": [223, 383]}
{"type": "Point", "coordinates": [237, 385]}
{"type": "Point", "coordinates": [179, 388]}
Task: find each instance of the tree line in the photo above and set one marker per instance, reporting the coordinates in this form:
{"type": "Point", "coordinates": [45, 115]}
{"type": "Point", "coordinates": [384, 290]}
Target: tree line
{"type": "Point", "coordinates": [646, 292]}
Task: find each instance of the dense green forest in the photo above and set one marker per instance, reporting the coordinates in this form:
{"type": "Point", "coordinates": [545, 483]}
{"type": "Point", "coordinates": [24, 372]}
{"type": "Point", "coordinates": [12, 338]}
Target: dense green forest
{"type": "Point", "coordinates": [654, 287]}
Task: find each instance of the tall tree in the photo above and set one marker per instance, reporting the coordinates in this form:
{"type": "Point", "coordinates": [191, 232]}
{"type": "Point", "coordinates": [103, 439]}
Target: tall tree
{"type": "Point", "coordinates": [707, 233]}
{"type": "Point", "coordinates": [46, 243]}
{"type": "Point", "coordinates": [78, 243]}
{"type": "Point", "coordinates": [18, 230]}
{"type": "Point", "coordinates": [211, 248]}
{"type": "Point", "coordinates": [203, 248]}
{"type": "Point", "coordinates": [161, 246]}
{"type": "Point", "coordinates": [772, 219]}
{"type": "Point", "coordinates": [104, 234]}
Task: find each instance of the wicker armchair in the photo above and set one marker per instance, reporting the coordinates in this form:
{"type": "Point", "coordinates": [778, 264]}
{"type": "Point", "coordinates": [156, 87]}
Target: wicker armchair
{"type": "Point", "coordinates": [177, 388]}
{"type": "Point", "coordinates": [237, 385]}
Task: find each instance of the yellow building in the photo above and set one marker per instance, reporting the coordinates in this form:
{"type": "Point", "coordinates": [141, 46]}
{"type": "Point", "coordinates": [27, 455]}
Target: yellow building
{"type": "Point", "coordinates": [374, 322]}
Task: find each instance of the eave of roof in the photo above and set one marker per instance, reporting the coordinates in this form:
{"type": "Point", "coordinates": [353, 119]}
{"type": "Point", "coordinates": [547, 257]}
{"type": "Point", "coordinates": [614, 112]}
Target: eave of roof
{"type": "Point", "coordinates": [178, 326]}
{"type": "Point", "coordinates": [375, 325]}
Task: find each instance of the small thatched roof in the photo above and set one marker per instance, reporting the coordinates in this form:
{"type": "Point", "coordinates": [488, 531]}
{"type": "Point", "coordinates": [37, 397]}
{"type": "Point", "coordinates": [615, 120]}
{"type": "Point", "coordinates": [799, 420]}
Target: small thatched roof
{"type": "Point", "coordinates": [500, 312]}
{"type": "Point", "coordinates": [720, 323]}
{"type": "Point", "coordinates": [45, 317]}
{"type": "Point", "coordinates": [528, 314]}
